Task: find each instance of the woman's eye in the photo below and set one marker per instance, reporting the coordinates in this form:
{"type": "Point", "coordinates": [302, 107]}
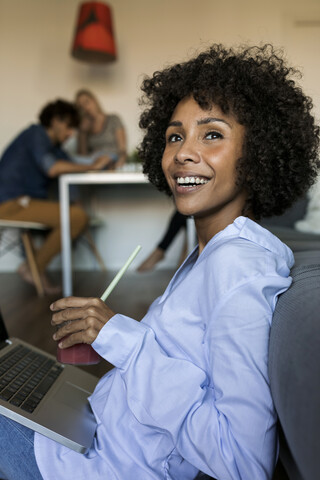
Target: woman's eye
{"type": "Point", "coordinates": [213, 135]}
{"type": "Point", "coordinates": [174, 137]}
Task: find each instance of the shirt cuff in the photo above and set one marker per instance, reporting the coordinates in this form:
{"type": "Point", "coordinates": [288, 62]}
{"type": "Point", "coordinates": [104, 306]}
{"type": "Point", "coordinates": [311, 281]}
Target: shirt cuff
{"type": "Point", "coordinates": [118, 339]}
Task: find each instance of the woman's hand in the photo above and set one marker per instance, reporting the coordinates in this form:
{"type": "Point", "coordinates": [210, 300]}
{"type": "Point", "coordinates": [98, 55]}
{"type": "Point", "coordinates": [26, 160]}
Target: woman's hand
{"type": "Point", "coordinates": [79, 319]}
{"type": "Point", "coordinates": [85, 124]}
{"type": "Point", "coordinates": [101, 162]}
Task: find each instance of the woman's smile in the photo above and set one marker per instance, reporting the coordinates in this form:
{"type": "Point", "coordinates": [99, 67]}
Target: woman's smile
{"type": "Point", "coordinates": [189, 182]}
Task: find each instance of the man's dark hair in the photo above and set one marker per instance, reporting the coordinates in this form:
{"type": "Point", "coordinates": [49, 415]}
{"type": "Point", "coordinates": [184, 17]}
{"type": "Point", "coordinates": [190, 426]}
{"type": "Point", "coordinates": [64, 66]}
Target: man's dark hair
{"type": "Point", "coordinates": [280, 153]}
{"type": "Point", "coordinates": [59, 109]}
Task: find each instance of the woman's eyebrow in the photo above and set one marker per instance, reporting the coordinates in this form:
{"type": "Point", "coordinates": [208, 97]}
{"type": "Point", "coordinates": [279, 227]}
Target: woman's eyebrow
{"type": "Point", "coordinates": [175, 123]}
{"type": "Point", "coordinates": [204, 121]}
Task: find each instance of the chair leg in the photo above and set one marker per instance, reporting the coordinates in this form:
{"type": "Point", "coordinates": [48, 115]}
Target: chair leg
{"type": "Point", "coordinates": [27, 242]}
{"type": "Point", "coordinates": [94, 249]}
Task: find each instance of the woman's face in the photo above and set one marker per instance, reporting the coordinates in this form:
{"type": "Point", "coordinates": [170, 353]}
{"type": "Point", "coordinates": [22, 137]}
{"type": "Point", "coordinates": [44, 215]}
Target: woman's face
{"type": "Point", "coordinates": [199, 162]}
{"type": "Point", "coordinates": [88, 105]}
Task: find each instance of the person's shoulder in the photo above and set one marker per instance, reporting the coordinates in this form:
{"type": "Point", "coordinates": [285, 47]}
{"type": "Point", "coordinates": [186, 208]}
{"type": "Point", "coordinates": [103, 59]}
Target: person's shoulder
{"type": "Point", "coordinates": [21, 140]}
{"type": "Point", "coordinates": [234, 261]}
{"type": "Point", "coordinates": [243, 252]}
{"type": "Point", "coordinates": [36, 130]}
{"type": "Point", "coordinates": [26, 132]}
{"type": "Point", "coordinates": [247, 236]}
{"type": "Point", "coordinates": [115, 119]}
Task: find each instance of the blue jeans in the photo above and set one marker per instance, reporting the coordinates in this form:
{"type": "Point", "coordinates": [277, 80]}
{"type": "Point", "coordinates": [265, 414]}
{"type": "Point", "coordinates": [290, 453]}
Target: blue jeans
{"type": "Point", "coordinates": [17, 459]}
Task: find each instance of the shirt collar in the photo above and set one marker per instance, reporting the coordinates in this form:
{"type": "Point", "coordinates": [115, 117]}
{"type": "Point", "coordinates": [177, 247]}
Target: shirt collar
{"type": "Point", "coordinates": [243, 227]}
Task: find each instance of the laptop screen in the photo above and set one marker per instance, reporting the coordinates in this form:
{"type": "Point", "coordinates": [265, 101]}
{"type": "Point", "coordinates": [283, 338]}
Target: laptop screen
{"type": "Point", "coordinates": [3, 331]}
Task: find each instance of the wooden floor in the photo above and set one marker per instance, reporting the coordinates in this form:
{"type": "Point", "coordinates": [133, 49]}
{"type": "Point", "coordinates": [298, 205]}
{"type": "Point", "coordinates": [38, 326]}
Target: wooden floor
{"type": "Point", "coordinates": [28, 317]}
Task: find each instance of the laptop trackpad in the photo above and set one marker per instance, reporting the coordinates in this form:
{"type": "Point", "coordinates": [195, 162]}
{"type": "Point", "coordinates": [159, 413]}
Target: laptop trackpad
{"type": "Point", "coordinates": [72, 396]}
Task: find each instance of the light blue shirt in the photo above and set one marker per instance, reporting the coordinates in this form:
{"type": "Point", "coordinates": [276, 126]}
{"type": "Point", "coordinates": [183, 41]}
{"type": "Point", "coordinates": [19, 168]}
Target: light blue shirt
{"type": "Point", "coordinates": [190, 390]}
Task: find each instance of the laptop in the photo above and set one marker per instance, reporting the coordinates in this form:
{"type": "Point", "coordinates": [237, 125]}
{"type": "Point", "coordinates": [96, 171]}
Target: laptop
{"type": "Point", "coordinates": [45, 395]}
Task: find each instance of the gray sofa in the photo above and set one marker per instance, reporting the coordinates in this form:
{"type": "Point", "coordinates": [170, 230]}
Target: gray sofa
{"type": "Point", "coordinates": [294, 356]}
{"type": "Point", "coordinates": [294, 369]}
{"type": "Point", "coordinates": [283, 227]}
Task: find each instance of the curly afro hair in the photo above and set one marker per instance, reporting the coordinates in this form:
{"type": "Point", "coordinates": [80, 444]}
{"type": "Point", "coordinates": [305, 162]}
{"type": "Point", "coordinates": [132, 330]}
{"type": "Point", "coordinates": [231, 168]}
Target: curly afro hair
{"type": "Point", "coordinates": [59, 109]}
{"type": "Point", "coordinates": [280, 160]}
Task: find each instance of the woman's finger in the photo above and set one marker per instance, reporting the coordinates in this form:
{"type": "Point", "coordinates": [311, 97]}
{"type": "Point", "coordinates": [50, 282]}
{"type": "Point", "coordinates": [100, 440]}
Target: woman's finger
{"type": "Point", "coordinates": [71, 314]}
{"type": "Point", "coordinates": [71, 302]}
{"type": "Point", "coordinates": [75, 338]}
{"type": "Point", "coordinates": [91, 324]}
{"type": "Point", "coordinates": [91, 307]}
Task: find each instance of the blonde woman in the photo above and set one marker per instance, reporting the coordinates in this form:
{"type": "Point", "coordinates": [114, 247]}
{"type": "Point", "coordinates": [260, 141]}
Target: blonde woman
{"type": "Point", "coordinates": [100, 134]}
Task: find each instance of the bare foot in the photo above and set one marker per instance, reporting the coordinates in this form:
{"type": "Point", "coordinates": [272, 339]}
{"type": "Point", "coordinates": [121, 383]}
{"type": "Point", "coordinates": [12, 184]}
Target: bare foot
{"type": "Point", "coordinates": [25, 273]}
{"type": "Point", "coordinates": [156, 256]}
{"type": "Point", "coordinates": [49, 289]}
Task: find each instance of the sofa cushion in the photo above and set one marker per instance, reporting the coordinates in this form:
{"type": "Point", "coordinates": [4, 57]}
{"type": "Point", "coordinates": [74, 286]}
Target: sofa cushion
{"type": "Point", "coordinates": [283, 226]}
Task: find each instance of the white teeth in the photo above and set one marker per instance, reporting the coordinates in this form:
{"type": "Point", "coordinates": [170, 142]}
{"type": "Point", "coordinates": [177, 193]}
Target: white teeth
{"type": "Point", "coordinates": [192, 180]}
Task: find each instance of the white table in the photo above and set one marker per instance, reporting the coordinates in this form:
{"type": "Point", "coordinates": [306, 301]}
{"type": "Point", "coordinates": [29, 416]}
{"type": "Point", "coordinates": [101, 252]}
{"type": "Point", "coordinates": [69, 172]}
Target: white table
{"type": "Point", "coordinates": [87, 178]}
{"type": "Point", "coordinates": [77, 179]}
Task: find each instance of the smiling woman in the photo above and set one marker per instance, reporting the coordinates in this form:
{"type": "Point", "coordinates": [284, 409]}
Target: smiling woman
{"type": "Point", "coordinates": [200, 159]}
{"type": "Point", "coordinates": [190, 391]}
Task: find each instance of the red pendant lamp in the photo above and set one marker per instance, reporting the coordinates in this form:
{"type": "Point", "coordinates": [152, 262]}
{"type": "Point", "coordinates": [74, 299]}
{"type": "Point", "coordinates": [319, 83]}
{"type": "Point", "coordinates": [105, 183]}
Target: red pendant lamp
{"type": "Point", "coordinates": [93, 39]}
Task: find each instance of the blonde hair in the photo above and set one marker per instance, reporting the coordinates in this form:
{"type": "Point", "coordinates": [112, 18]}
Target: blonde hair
{"type": "Point", "coordinates": [88, 93]}
{"type": "Point", "coordinates": [84, 91]}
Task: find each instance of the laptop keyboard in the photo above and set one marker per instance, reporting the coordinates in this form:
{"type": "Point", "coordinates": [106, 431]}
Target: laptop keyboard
{"type": "Point", "coordinates": [26, 376]}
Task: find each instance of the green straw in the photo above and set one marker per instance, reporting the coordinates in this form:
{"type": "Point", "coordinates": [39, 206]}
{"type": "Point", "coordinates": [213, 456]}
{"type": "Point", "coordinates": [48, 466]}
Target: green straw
{"type": "Point", "coordinates": [122, 270]}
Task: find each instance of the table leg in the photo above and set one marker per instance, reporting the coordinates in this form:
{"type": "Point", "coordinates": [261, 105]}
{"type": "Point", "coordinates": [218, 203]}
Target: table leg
{"type": "Point", "coordinates": [191, 235]}
{"type": "Point", "coordinates": [65, 237]}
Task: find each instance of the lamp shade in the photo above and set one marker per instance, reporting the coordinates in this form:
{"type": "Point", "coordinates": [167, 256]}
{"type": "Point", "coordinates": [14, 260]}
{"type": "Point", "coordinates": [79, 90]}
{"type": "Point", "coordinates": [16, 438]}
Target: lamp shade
{"type": "Point", "coordinates": [93, 38]}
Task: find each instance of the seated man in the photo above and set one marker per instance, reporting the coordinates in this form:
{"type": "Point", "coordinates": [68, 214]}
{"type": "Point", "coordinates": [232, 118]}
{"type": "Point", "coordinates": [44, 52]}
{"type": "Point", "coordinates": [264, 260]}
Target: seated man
{"type": "Point", "coordinates": [27, 166]}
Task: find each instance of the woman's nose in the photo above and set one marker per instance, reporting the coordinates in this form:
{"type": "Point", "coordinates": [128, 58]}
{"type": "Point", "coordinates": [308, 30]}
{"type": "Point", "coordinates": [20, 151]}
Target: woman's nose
{"type": "Point", "coordinates": [187, 152]}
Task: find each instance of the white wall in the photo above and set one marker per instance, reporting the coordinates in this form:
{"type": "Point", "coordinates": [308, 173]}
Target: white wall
{"type": "Point", "coordinates": [36, 66]}
{"type": "Point", "coordinates": [36, 36]}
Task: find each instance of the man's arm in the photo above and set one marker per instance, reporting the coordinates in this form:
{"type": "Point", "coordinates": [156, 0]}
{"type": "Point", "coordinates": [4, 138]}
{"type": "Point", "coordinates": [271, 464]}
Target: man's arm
{"type": "Point", "coordinates": [85, 127]}
{"type": "Point", "coordinates": [62, 166]}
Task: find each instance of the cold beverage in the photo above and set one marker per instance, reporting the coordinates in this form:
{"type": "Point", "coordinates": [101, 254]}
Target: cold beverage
{"type": "Point", "coordinates": [79, 354]}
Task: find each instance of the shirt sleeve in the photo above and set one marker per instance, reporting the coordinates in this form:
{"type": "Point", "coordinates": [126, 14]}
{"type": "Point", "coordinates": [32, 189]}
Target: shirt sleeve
{"type": "Point", "coordinates": [116, 122]}
{"type": "Point", "coordinates": [221, 417]}
{"type": "Point", "coordinates": [40, 149]}
{"type": "Point", "coordinates": [44, 153]}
